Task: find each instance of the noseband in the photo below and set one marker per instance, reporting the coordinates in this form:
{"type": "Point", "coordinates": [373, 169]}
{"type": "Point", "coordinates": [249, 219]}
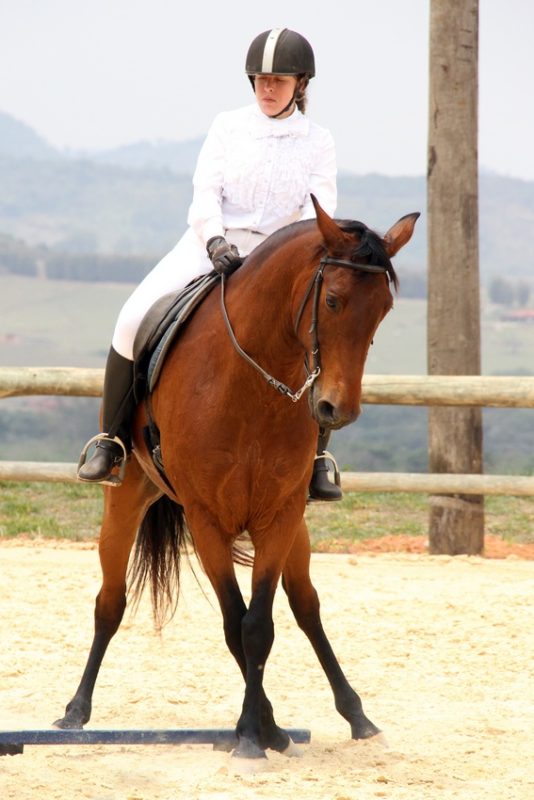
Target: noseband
{"type": "Point", "coordinates": [314, 285]}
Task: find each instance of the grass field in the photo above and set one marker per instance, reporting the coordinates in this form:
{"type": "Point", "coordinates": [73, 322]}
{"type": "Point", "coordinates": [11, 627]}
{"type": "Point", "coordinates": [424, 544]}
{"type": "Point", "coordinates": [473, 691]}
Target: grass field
{"type": "Point", "coordinates": [73, 512]}
{"type": "Point", "coordinates": [57, 323]}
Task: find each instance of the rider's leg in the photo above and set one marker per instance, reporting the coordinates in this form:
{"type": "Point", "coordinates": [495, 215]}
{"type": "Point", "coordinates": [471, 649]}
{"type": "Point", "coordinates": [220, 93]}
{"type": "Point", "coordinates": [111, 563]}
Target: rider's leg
{"type": "Point", "coordinates": [117, 409]}
{"type": "Point", "coordinates": [321, 488]}
{"type": "Point", "coordinates": [186, 261]}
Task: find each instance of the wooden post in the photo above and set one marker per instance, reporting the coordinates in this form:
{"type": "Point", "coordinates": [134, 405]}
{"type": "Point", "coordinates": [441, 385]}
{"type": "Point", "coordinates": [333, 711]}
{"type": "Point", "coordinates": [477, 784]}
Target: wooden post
{"type": "Point", "coordinates": [456, 522]}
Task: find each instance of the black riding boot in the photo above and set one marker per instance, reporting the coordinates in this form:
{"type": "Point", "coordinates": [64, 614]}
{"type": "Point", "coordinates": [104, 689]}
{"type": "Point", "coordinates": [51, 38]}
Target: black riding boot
{"type": "Point", "coordinates": [321, 488]}
{"type": "Point", "coordinates": [112, 446]}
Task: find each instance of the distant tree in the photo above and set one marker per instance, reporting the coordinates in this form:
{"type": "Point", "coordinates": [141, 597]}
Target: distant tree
{"type": "Point", "coordinates": [97, 267]}
{"type": "Point", "coordinates": [501, 292]}
{"type": "Point", "coordinates": [16, 257]}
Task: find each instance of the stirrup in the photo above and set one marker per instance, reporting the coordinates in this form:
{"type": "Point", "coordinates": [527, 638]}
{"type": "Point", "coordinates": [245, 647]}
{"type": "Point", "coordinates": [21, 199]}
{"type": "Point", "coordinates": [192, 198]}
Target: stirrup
{"type": "Point", "coordinates": [327, 456]}
{"type": "Point", "coordinates": [113, 480]}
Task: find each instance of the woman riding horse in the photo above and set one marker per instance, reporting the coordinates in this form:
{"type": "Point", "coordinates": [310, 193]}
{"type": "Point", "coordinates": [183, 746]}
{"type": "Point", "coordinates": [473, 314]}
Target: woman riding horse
{"type": "Point", "coordinates": [255, 174]}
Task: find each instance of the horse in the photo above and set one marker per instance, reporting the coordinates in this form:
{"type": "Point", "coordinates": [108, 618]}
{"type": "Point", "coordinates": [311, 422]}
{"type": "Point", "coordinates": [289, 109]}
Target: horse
{"type": "Point", "coordinates": [238, 447]}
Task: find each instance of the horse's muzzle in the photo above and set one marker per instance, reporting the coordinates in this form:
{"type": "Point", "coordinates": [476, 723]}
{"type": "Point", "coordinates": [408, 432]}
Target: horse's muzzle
{"type": "Point", "coordinates": [329, 414]}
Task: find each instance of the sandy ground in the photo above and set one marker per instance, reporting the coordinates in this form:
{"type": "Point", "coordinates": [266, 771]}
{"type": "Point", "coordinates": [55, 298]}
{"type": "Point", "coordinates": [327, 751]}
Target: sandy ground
{"type": "Point", "coordinates": [440, 649]}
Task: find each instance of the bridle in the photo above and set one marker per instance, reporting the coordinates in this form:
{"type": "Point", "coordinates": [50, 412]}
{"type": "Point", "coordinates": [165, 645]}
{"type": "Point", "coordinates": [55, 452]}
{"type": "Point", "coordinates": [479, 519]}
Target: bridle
{"type": "Point", "coordinates": [314, 286]}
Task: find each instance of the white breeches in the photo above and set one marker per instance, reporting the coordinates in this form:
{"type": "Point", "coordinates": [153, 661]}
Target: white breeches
{"type": "Point", "coordinates": [186, 261]}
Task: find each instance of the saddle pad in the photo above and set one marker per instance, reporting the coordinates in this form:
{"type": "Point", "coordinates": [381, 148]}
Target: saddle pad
{"type": "Point", "coordinates": [162, 324]}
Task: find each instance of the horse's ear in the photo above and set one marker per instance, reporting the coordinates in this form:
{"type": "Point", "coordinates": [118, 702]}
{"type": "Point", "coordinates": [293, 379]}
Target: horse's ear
{"type": "Point", "coordinates": [400, 233]}
{"type": "Point", "coordinates": [331, 232]}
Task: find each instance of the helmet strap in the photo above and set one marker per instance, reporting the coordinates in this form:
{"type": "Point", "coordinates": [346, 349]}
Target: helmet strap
{"type": "Point", "coordinates": [283, 111]}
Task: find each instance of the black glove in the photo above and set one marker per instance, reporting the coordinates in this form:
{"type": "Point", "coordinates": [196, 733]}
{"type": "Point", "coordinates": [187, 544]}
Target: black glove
{"type": "Point", "coordinates": [224, 257]}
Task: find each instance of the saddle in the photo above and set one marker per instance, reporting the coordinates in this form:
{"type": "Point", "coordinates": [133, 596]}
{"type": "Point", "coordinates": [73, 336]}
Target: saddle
{"type": "Point", "coordinates": [160, 328]}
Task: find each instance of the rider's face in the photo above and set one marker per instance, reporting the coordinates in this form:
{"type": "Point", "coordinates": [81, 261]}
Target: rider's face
{"type": "Point", "coordinates": [274, 92]}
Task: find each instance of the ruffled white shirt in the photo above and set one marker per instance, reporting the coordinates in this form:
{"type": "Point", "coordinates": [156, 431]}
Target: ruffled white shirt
{"type": "Point", "coordinates": [257, 173]}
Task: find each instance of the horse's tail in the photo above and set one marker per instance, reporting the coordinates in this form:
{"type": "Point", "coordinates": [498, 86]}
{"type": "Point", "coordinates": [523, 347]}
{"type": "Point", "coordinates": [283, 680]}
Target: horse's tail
{"type": "Point", "coordinates": [156, 558]}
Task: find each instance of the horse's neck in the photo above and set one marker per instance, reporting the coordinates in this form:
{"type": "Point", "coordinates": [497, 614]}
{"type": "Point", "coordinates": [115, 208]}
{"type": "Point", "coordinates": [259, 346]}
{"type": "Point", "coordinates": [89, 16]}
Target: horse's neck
{"type": "Point", "coordinates": [279, 272]}
{"type": "Point", "coordinates": [267, 293]}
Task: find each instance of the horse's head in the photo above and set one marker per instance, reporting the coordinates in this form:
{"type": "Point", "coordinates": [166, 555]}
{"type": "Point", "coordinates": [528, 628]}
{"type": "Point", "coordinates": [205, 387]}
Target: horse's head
{"type": "Point", "coordinates": [351, 298]}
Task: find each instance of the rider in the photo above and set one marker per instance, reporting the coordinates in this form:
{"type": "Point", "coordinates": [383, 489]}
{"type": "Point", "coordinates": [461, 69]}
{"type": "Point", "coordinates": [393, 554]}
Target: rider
{"type": "Point", "coordinates": [254, 175]}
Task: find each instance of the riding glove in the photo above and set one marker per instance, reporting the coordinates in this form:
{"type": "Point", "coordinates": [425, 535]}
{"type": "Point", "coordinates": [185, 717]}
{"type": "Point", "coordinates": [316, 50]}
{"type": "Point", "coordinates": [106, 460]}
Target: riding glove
{"type": "Point", "coordinates": [224, 257]}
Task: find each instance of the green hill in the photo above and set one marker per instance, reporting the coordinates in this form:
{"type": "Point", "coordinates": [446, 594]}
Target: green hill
{"type": "Point", "coordinates": [18, 140]}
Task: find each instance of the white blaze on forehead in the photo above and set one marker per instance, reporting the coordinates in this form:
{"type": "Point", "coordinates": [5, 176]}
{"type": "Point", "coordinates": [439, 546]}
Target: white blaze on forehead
{"type": "Point", "coordinates": [268, 50]}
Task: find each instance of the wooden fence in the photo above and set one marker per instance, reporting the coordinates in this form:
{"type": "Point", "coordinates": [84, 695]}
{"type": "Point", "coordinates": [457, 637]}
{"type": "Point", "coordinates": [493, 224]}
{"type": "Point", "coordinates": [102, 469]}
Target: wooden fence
{"type": "Point", "coordinates": [418, 390]}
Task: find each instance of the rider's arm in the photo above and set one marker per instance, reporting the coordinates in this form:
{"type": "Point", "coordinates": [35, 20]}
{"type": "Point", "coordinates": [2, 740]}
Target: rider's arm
{"type": "Point", "coordinates": [205, 212]}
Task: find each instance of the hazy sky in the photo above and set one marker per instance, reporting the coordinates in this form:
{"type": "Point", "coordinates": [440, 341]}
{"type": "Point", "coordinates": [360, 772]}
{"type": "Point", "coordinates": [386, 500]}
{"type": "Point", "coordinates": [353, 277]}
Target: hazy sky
{"type": "Point", "coordinates": [92, 75]}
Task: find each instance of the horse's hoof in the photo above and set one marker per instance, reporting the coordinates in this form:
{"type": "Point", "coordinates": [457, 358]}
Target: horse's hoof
{"type": "Point", "coordinates": [248, 758]}
{"type": "Point", "coordinates": [246, 749]}
{"type": "Point", "coordinates": [69, 722]}
{"type": "Point", "coordinates": [64, 725]}
{"type": "Point", "coordinates": [364, 729]}
{"type": "Point", "coordinates": [76, 715]}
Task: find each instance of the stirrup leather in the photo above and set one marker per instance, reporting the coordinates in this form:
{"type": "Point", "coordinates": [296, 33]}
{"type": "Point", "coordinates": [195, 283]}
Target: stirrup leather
{"type": "Point", "coordinates": [327, 456]}
{"type": "Point", "coordinates": [113, 480]}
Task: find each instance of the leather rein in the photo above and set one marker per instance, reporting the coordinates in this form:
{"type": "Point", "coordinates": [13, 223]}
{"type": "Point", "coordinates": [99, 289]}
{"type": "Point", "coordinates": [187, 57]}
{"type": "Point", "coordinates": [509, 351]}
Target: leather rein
{"type": "Point", "coordinates": [314, 286]}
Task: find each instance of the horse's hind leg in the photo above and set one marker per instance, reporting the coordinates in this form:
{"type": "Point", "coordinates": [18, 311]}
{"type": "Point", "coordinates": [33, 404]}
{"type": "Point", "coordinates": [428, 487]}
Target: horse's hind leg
{"type": "Point", "coordinates": [124, 509]}
{"type": "Point", "coordinates": [304, 603]}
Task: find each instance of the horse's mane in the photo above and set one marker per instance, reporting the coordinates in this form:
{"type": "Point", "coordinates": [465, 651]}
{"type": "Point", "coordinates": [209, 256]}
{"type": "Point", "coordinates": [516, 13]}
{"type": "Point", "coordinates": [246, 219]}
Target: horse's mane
{"type": "Point", "coordinates": [369, 248]}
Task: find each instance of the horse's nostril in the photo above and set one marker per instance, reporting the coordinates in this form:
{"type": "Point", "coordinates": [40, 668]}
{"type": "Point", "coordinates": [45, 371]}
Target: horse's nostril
{"type": "Point", "coordinates": [326, 411]}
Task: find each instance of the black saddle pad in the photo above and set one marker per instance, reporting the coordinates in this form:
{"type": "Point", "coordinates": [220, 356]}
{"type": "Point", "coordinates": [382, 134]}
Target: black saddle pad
{"type": "Point", "coordinates": [162, 324]}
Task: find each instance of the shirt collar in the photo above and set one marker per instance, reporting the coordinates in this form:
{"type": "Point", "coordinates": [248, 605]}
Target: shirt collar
{"type": "Point", "coordinates": [262, 126]}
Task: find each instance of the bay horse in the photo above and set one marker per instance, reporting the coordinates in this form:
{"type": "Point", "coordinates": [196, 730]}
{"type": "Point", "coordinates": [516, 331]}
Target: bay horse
{"type": "Point", "coordinates": [238, 453]}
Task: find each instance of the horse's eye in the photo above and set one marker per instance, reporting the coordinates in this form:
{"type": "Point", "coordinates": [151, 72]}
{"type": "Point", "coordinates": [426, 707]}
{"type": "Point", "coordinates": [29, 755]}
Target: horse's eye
{"type": "Point", "coordinates": [331, 301]}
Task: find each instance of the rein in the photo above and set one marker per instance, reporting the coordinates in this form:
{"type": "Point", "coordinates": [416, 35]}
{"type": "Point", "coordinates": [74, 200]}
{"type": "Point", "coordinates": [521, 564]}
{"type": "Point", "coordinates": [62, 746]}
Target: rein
{"type": "Point", "coordinates": [315, 285]}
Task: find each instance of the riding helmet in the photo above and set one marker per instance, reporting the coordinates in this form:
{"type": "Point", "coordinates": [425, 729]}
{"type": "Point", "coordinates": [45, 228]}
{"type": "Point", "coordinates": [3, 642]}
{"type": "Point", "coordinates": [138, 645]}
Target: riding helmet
{"type": "Point", "coordinates": [280, 51]}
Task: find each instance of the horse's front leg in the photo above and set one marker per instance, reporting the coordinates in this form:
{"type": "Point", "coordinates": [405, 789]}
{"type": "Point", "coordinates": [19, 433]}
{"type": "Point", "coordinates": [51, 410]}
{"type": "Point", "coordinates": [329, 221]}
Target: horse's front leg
{"type": "Point", "coordinates": [124, 509]}
{"type": "Point", "coordinates": [304, 603]}
{"type": "Point", "coordinates": [215, 554]}
{"type": "Point", "coordinates": [257, 633]}
{"type": "Point", "coordinates": [257, 628]}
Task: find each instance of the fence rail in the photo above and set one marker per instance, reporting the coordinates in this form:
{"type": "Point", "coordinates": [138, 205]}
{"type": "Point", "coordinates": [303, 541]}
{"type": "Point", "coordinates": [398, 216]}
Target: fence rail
{"type": "Point", "coordinates": [415, 390]}
{"type": "Point", "coordinates": [411, 390]}
{"type": "Point", "coordinates": [64, 472]}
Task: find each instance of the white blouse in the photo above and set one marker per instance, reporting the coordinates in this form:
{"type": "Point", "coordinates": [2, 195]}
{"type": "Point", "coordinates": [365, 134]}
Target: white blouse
{"type": "Point", "coordinates": [256, 173]}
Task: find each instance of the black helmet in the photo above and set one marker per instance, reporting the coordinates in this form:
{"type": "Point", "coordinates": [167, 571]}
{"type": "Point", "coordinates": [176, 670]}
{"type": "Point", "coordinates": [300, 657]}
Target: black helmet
{"type": "Point", "coordinates": [280, 52]}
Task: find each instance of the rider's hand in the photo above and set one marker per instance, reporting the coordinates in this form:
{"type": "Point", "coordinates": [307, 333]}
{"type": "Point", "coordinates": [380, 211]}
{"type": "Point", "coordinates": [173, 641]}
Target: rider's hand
{"type": "Point", "coordinates": [224, 257]}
